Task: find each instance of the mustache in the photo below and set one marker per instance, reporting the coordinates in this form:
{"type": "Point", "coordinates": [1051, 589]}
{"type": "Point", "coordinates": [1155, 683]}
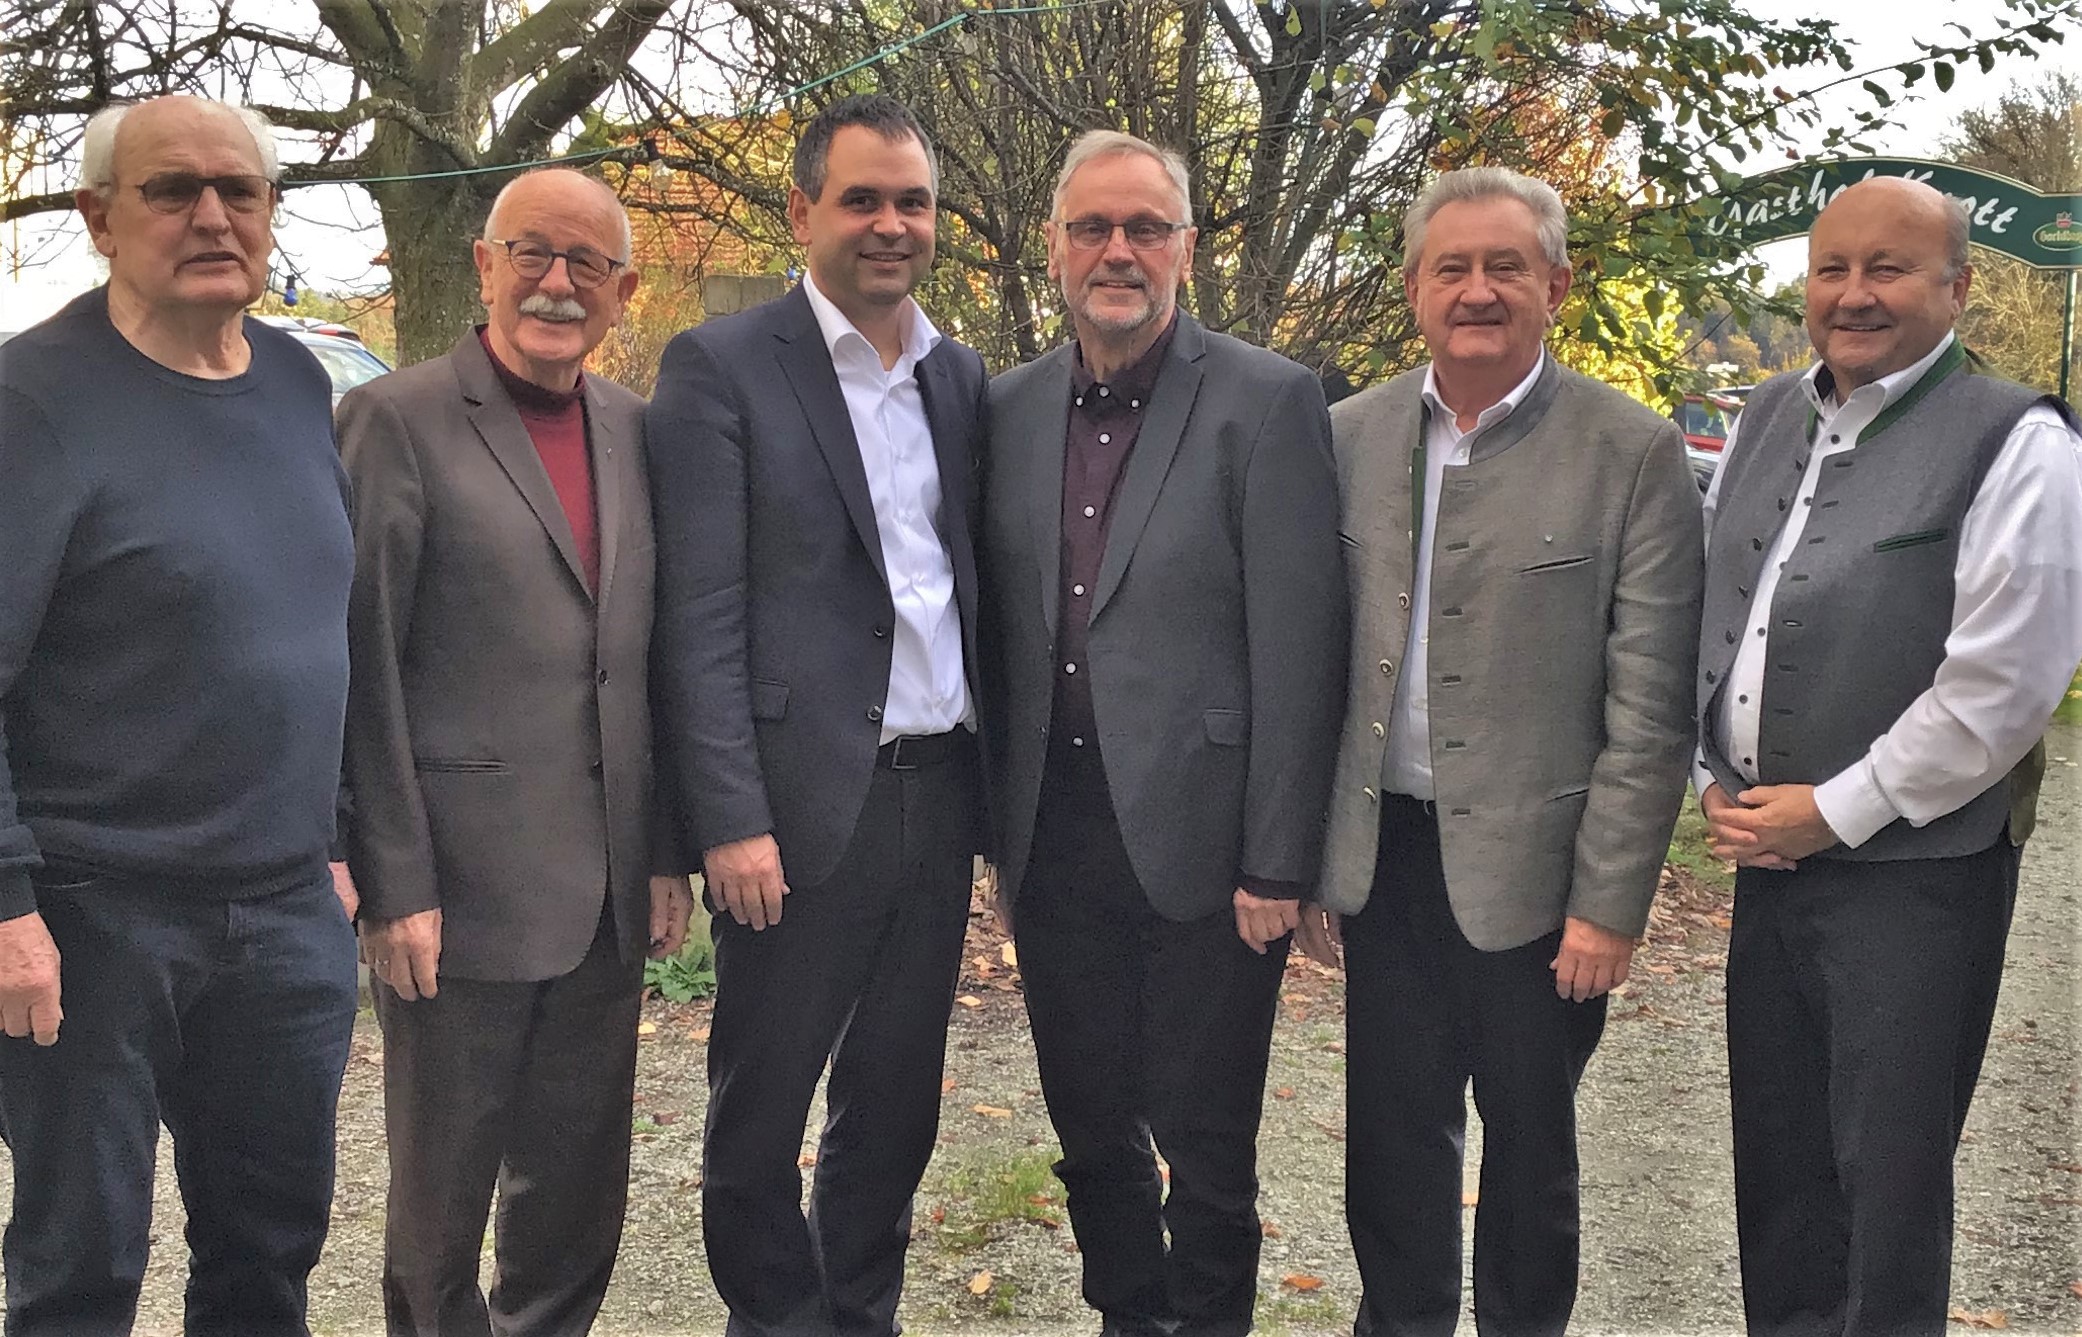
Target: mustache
{"type": "Point", "coordinates": [551, 308]}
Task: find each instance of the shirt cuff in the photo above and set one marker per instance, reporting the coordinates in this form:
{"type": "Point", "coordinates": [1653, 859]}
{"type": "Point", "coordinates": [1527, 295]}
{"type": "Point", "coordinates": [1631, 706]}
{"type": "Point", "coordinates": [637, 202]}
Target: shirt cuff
{"type": "Point", "coordinates": [1265, 888]}
{"type": "Point", "coordinates": [17, 895]}
{"type": "Point", "coordinates": [1854, 805]}
{"type": "Point", "coordinates": [1702, 777]}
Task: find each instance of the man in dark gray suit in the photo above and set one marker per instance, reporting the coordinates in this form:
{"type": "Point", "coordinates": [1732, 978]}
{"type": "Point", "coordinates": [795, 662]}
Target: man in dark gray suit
{"type": "Point", "coordinates": [499, 754]}
{"type": "Point", "coordinates": [1165, 622]}
{"type": "Point", "coordinates": [1524, 550]}
{"type": "Point", "coordinates": [811, 463]}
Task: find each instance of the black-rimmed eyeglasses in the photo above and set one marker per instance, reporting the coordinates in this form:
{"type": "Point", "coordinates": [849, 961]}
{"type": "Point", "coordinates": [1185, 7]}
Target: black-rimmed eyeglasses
{"type": "Point", "coordinates": [532, 259]}
{"type": "Point", "coordinates": [1144, 234]}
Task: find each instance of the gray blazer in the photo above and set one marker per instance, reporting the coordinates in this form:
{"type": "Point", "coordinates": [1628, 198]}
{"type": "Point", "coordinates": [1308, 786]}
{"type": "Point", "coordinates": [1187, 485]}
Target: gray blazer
{"type": "Point", "coordinates": [1218, 621]}
{"type": "Point", "coordinates": [498, 728]}
{"type": "Point", "coordinates": [1564, 625]}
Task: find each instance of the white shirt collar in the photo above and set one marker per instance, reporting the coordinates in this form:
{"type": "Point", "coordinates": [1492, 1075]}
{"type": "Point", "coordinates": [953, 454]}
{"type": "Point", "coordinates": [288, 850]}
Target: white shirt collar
{"type": "Point", "coordinates": [919, 334]}
{"type": "Point", "coordinates": [1496, 412]}
{"type": "Point", "coordinates": [1891, 386]}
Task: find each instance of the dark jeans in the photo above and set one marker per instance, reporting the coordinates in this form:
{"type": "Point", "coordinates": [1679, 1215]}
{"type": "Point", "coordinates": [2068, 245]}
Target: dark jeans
{"type": "Point", "coordinates": [1147, 1031]}
{"type": "Point", "coordinates": [1426, 1014]}
{"type": "Point", "coordinates": [524, 1086]}
{"type": "Point", "coordinates": [1859, 1001]}
{"type": "Point", "coordinates": [860, 973]}
{"type": "Point", "coordinates": [229, 1020]}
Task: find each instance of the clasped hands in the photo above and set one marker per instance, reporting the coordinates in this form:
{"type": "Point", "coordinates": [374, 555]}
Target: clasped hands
{"type": "Point", "coordinates": [1765, 826]}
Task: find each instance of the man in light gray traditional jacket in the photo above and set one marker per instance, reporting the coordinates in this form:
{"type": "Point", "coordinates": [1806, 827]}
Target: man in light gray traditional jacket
{"type": "Point", "coordinates": [1523, 550]}
{"type": "Point", "coordinates": [1893, 610]}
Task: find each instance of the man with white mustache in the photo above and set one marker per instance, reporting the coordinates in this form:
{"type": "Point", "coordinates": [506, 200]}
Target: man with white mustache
{"type": "Point", "coordinates": [1524, 550]}
{"type": "Point", "coordinates": [1163, 640]}
{"type": "Point", "coordinates": [1893, 610]}
{"type": "Point", "coordinates": [499, 754]}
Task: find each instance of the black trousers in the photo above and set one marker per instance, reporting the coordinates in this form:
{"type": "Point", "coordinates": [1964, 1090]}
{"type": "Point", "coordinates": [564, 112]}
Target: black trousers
{"type": "Point", "coordinates": [524, 1087]}
{"type": "Point", "coordinates": [860, 971]}
{"type": "Point", "coordinates": [1859, 1001]}
{"type": "Point", "coordinates": [1146, 1029]}
{"type": "Point", "coordinates": [1426, 1013]}
{"type": "Point", "coordinates": [228, 1020]}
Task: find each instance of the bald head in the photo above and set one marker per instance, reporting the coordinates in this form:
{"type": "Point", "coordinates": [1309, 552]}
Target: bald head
{"type": "Point", "coordinates": [1887, 277]}
{"type": "Point", "coordinates": [562, 190]}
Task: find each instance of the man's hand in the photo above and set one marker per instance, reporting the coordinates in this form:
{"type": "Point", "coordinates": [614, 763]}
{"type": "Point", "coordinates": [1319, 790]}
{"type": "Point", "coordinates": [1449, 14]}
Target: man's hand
{"type": "Point", "coordinates": [1769, 826]}
{"type": "Point", "coordinates": [343, 887]}
{"type": "Point", "coordinates": [29, 979]}
{"type": "Point", "coordinates": [1261, 922]}
{"type": "Point", "coordinates": [745, 878]}
{"type": "Point", "coordinates": [1320, 936]}
{"type": "Point", "coordinates": [672, 904]}
{"type": "Point", "coordinates": [1592, 960]}
{"type": "Point", "coordinates": [405, 953]}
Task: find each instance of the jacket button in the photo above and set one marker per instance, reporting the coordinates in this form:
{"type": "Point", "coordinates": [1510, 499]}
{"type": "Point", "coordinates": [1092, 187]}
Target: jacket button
{"type": "Point", "coordinates": [1387, 667]}
{"type": "Point", "coordinates": [874, 714]}
{"type": "Point", "coordinates": [881, 632]}
{"type": "Point", "coordinates": [601, 677]}
{"type": "Point", "coordinates": [1402, 601]}
{"type": "Point", "coordinates": [595, 767]}
{"type": "Point", "coordinates": [1371, 796]}
{"type": "Point", "coordinates": [1380, 730]}
{"type": "Point", "coordinates": [1711, 676]}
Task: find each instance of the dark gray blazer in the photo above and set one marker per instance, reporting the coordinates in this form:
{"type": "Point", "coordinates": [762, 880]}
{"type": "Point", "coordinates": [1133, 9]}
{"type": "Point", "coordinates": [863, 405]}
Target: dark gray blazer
{"type": "Point", "coordinates": [1218, 622]}
{"type": "Point", "coordinates": [1565, 611]}
{"type": "Point", "coordinates": [498, 727]}
{"type": "Point", "coordinates": [774, 615]}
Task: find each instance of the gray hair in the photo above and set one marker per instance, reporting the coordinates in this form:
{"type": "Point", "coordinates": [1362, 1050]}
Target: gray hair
{"type": "Point", "coordinates": [1958, 226]}
{"type": "Point", "coordinates": [1550, 219]}
{"type": "Point", "coordinates": [621, 213]}
{"type": "Point", "coordinates": [1095, 144]}
{"type": "Point", "coordinates": [98, 144]}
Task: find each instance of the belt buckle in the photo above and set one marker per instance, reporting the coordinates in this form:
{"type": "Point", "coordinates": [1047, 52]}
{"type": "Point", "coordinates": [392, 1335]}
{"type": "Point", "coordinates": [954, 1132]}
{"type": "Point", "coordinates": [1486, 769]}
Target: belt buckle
{"type": "Point", "coordinates": [896, 754]}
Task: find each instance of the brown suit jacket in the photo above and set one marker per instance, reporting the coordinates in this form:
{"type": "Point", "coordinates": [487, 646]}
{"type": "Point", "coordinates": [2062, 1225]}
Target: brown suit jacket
{"type": "Point", "coordinates": [498, 725]}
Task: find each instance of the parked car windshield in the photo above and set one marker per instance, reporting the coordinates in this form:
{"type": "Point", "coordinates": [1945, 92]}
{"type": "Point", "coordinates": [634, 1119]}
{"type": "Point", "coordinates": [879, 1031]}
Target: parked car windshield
{"type": "Point", "coordinates": [347, 364]}
{"type": "Point", "coordinates": [1698, 417]}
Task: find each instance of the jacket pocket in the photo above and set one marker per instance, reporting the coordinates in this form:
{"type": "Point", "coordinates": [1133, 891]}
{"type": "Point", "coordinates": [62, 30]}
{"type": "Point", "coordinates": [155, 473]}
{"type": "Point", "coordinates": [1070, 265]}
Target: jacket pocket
{"type": "Point", "coordinates": [1558, 564]}
{"type": "Point", "coordinates": [1227, 728]}
{"type": "Point", "coordinates": [458, 766]}
{"type": "Point", "coordinates": [1568, 791]}
{"type": "Point", "coordinates": [1911, 540]}
{"type": "Point", "coordinates": [1348, 540]}
{"type": "Point", "coordinates": [769, 699]}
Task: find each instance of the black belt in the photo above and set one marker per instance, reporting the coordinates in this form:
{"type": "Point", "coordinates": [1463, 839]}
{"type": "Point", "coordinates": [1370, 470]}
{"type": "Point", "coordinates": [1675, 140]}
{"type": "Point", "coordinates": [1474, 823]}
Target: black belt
{"type": "Point", "coordinates": [912, 751]}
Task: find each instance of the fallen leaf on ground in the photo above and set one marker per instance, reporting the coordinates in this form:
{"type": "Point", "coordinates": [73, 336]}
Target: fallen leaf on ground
{"type": "Point", "coordinates": [992, 1111]}
{"type": "Point", "coordinates": [701, 1034]}
{"type": "Point", "coordinates": [1301, 1281]}
{"type": "Point", "coordinates": [666, 1118]}
{"type": "Point", "coordinates": [2075, 1289]}
{"type": "Point", "coordinates": [980, 1284]}
{"type": "Point", "coordinates": [1469, 1199]}
{"type": "Point", "coordinates": [2071, 1169]}
{"type": "Point", "coordinates": [1040, 1199]}
{"type": "Point", "coordinates": [807, 1159]}
{"type": "Point", "coordinates": [969, 1000]}
{"type": "Point", "coordinates": [946, 1085]}
{"type": "Point", "coordinates": [938, 1216]}
{"type": "Point", "coordinates": [1284, 1093]}
{"type": "Point", "coordinates": [646, 1028]}
{"type": "Point", "coordinates": [1985, 1318]}
{"type": "Point", "coordinates": [1009, 954]}
{"type": "Point", "coordinates": [1269, 1230]}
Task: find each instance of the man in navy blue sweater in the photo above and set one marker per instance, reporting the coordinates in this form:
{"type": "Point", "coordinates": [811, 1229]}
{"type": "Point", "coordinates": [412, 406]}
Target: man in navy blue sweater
{"type": "Point", "coordinates": [173, 675]}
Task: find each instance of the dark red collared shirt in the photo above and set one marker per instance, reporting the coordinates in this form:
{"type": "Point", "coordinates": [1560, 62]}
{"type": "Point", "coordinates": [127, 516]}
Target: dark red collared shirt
{"type": "Point", "coordinates": [556, 423]}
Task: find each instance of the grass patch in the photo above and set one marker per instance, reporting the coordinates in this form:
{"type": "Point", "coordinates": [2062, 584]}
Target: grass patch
{"type": "Point", "coordinates": [1281, 1310]}
{"type": "Point", "coordinates": [986, 1195]}
{"type": "Point", "coordinates": [1689, 849]}
{"type": "Point", "coordinates": [2070, 709]}
{"type": "Point", "coordinates": [689, 973]}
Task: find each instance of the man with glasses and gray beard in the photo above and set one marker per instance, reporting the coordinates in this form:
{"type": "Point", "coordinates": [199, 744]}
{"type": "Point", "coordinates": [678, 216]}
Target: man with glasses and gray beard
{"type": "Point", "coordinates": [173, 667]}
{"type": "Point", "coordinates": [499, 754]}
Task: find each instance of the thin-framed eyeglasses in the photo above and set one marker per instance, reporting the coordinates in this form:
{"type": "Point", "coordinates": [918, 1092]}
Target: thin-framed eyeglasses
{"type": "Point", "coordinates": [532, 259]}
{"type": "Point", "coordinates": [178, 192]}
{"type": "Point", "coordinates": [1144, 234]}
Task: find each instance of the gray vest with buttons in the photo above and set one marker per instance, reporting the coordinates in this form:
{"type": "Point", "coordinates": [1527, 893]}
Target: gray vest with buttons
{"type": "Point", "coordinates": [1863, 606]}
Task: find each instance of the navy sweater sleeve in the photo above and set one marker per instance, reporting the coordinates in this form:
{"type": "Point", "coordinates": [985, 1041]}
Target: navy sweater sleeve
{"type": "Point", "coordinates": [173, 661]}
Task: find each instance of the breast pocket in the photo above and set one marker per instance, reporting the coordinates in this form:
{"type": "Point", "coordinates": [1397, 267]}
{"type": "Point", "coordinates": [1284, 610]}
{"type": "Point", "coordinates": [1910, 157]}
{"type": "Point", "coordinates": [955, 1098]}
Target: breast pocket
{"type": "Point", "coordinates": [1557, 565]}
{"type": "Point", "coordinates": [769, 699]}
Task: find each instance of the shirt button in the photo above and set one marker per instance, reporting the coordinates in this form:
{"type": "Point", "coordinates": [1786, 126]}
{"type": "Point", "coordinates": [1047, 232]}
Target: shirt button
{"type": "Point", "coordinates": [1077, 589]}
{"type": "Point", "coordinates": [1134, 403]}
{"type": "Point", "coordinates": [1069, 668]}
{"type": "Point", "coordinates": [1760, 631]}
{"type": "Point", "coordinates": [1080, 401]}
{"type": "Point", "coordinates": [1090, 511]}
{"type": "Point", "coordinates": [1105, 439]}
{"type": "Point", "coordinates": [1743, 699]}
{"type": "Point", "coordinates": [1749, 761]}
{"type": "Point", "coordinates": [1103, 392]}
{"type": "Point", "coordinates": [1076, 742]}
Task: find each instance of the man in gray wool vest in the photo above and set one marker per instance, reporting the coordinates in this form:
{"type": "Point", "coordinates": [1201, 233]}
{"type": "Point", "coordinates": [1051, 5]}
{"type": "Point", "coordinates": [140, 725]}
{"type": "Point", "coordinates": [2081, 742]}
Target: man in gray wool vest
{"type": "Point", "coordinates": [1893, 610]}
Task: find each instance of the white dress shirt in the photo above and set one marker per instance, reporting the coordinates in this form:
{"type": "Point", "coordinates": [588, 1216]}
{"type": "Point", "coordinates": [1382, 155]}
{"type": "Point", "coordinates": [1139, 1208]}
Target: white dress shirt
{"type": "Point", "coordinates": [1407, 769]}
{"type": "Point", "coordinates": [2016, 623]}
{"type": "Point", "coordinates": [928, 691]}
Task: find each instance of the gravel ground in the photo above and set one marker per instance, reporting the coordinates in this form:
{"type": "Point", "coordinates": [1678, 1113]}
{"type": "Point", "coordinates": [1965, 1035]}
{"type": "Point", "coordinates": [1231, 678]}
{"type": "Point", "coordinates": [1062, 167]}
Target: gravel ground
{"type": "Point", "coordinates": [992, 1253]}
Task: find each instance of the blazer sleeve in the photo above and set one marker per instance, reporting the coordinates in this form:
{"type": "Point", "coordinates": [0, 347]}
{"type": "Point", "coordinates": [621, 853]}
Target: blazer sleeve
{"type": "Point", "coordinates": [389, 848]}
{"type": "Point", "coordinates": [698, 445]}
{"type": "Point", "coordinates": [1297, 622]}
{"type": "Point", "coordinates": [1651, 653]}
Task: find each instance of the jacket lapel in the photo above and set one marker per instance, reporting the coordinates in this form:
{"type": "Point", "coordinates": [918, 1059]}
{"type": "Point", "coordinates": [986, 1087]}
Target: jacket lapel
{"type": "Point", "coordinates": [611, 462]}
{"type": "Point", "coordinates": [807, 364]}
{"type": "Point", "coordinates": [1044, 416]}
{"type": "Point", "coordinates": [1170, 408]}
{"type": "Point", "coordinates": [492, 413]}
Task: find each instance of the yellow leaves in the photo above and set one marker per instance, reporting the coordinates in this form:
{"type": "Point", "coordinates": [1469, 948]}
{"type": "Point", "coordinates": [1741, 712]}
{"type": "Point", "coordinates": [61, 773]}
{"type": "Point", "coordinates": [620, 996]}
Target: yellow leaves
{"type": "Point", "coordinates": [992, 1111]}
{"type": "Point", "coordinates": [981, 1283]}
{"type": "Point", "coordinates": [1301, 1281]}
{"type": "Point", "coordinates": [646, 1028]}
{"type": "Point", "coordinates": [1984, 1318]}
{"type": "Point", "coordinates": [969, 1000]}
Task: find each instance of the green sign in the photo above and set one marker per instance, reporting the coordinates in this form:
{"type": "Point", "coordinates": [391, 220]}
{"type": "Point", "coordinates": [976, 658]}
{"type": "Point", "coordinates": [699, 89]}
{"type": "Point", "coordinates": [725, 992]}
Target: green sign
{"type": "Point", "coordinates": [2044, 231]}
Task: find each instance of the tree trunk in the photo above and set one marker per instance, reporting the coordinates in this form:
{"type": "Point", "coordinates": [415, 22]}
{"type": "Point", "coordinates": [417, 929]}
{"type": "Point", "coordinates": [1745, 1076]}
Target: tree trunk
{"type": "Point", "coordinates": [433, 279]}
